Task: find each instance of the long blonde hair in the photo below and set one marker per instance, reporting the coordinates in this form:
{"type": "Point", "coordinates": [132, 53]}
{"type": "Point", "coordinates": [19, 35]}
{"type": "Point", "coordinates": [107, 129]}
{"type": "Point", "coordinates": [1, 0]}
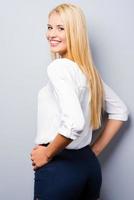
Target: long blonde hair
{"type": "Point", "coordinates": [78, 50]}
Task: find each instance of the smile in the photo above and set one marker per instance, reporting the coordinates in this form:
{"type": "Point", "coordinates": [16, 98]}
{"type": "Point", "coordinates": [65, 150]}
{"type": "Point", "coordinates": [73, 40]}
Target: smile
{"type": "Point", "coordinates": [54, 43]}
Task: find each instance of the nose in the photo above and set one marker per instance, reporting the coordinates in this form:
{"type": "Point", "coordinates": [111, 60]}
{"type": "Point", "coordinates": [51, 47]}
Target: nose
{"type": "Point", "coordinates": [52, 33]}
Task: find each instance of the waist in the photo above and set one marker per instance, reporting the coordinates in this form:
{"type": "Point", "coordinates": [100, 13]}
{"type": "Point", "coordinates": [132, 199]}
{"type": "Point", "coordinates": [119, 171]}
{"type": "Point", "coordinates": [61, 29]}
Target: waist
{"type": "Point", "coordinates": [75, 150]}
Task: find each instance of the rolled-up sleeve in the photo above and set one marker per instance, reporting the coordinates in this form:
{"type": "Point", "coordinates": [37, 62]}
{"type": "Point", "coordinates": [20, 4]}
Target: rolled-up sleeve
{"type": "Point", "coordinates": [114, 106]}
{"type": "Point", "coordinates": [72, 119]}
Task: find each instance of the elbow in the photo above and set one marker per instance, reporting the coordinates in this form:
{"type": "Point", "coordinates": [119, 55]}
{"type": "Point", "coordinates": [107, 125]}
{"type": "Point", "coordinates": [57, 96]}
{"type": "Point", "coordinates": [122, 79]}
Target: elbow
{"type": "Point", "coordinates": [122, 115]}
{"type": "Point", "coordinates": [126, 113]}
{"type": "Point", "coordinates": [80, 124]}
{"type": "Point", "coordinates": [77, 128]}
{"type": "Point", "coordinates": [72, 128]}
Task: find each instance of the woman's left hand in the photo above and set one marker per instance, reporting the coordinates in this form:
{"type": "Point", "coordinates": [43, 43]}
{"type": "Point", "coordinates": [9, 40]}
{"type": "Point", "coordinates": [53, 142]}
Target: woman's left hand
{"type": "Point", "coordinates": [39, 156]}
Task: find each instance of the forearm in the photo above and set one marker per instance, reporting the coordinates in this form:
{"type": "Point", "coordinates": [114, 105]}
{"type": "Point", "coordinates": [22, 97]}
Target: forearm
{"type": "Point", "coordinates": [58, 144]}
{"type": "Point", "coordinates": [110, 130]}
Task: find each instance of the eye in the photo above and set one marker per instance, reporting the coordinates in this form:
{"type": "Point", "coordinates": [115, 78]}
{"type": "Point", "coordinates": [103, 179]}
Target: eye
{"type": "Point", "coordinates": [49, 27]}
{"type": "Point", "coordinates": [60, 28]}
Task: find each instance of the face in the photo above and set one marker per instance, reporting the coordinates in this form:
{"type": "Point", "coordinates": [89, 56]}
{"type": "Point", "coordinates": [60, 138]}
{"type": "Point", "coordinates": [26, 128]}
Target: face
{"type": "Point", "coordinates": [56, 35]}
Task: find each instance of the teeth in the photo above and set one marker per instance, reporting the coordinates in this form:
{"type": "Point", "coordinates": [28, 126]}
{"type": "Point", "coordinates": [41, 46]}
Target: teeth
{"type": "Point", "coordinates": [55, 41]}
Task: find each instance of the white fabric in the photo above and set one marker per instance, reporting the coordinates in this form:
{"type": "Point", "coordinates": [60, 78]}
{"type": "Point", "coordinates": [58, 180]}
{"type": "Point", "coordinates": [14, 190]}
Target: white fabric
{"type": "Point", "coordinates": [63, 105]}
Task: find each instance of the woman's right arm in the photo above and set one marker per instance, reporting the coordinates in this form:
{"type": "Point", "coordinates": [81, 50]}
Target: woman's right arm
{"type": "Point", "coordinates": [117, 115]}
{"type": "Point", "coordinates": [110, 130]}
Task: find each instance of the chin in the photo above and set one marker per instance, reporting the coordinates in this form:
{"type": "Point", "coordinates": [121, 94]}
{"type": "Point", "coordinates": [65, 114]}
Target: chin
{"type": "Point", "coordinates": [57, 52]}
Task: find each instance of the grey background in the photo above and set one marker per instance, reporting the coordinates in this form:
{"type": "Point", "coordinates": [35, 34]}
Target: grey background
{"type": "Point", "coordinates": [24, 55]}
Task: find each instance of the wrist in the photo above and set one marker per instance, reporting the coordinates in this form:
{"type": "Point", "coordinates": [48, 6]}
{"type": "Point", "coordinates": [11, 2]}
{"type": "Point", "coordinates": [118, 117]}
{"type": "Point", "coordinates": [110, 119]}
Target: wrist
{"type": "Point", "coordinates": [95, 150]}
{"type": "Point", "coordinates": [49, 157]}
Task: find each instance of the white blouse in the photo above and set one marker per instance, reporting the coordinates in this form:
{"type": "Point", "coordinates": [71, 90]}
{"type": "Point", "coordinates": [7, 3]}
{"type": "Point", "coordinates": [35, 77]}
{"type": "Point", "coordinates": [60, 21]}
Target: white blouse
{"type": "Point", "coordinates": [63, 105]}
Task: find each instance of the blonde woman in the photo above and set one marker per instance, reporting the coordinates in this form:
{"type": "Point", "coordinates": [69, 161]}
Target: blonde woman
{"type": "Point", "coordinates": [70, 107]}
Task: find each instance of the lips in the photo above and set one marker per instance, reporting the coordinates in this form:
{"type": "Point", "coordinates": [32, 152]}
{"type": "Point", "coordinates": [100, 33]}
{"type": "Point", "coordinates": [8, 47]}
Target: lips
{"type": "Point", "coordinates": [54, 42]}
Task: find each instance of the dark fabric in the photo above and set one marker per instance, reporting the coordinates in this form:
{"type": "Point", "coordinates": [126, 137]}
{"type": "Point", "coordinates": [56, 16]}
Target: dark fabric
{"type": "Point", "coordinates": [45, 144]}
{"type": "Point", "coordinates": [73, 174]}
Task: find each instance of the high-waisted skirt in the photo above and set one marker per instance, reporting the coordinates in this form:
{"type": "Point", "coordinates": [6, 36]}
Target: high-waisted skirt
{"type": "Point", "coordinates": [72, 174]}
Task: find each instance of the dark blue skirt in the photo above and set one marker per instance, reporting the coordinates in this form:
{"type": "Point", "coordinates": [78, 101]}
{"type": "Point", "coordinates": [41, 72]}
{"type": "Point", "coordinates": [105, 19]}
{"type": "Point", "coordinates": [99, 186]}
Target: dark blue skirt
{"type": "Point", "coordinates": [72, 174]}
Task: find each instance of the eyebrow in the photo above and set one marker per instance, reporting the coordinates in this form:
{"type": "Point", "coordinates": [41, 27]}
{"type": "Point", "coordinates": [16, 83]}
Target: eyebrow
{"type": "Point", "coordinates": [57, 25]}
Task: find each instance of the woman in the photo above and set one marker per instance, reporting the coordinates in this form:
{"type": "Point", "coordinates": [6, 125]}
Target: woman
{"type": "Point", "coordinates": [70, 107]}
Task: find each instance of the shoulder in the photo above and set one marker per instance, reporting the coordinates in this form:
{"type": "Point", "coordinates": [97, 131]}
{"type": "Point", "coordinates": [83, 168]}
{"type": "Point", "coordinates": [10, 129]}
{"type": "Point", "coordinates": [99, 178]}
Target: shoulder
{"type": "Point", "coordinates": [62, 66]}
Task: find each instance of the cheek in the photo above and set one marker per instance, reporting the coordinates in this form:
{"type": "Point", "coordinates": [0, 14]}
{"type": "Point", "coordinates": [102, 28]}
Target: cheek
{"type": "Point", "coordinates": [64, 41]}
{"type": "Point", "coordinates": [65, 44]}
{"type": "Point", "coordinates": [63, 38]}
